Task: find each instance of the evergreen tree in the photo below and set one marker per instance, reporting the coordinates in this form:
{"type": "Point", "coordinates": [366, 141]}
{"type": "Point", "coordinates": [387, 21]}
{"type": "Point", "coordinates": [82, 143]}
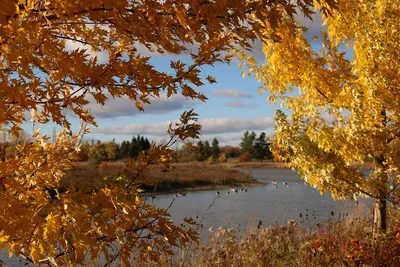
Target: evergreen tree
{"type": "Point", "coordinates": [141, 143]}
{"type": "Point", "coordinates": [124, 150]}
{"type": "Point", "coordinates": [147, 144]}
{"type": "Point", "coordinates": [247, 144]}
{"type": "Point", "coordinates": [207, 150]}
{"type": "Point", "coordinates": [261, 148]}
{"type": "Point", "coordinates": [215, 151]}
{"type": "Point", "coordinates": [134, 148]}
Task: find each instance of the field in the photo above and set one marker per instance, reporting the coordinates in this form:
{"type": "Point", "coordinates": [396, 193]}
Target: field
{"type": "Point", "coordinates": [184, 176]}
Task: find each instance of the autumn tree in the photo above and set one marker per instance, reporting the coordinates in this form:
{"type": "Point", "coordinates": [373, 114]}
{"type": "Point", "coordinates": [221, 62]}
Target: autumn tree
{"type": "Point", "coordinates": [98, 153]}
{"type": "Point", "coordinates": [200, 155]}
{"type": "Point", "coordinates": [51, 69]}
{"type": "Point", "coordinates": [344, 103]}
{"type": "Point", "coordinates": [187, 153]}
{"type": "Point", "coordinates": [112, 150]}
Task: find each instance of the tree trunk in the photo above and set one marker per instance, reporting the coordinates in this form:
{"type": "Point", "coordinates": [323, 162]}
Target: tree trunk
{"type": "Point", "coordinates": [380, 214]}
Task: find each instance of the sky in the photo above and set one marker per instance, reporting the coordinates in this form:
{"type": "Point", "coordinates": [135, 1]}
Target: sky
{"type": "Point", "coordinates": [233, 106]}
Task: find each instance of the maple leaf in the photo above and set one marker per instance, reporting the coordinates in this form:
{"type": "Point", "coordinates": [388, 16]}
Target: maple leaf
{"type": "Point", "coordinates": [52, 64]}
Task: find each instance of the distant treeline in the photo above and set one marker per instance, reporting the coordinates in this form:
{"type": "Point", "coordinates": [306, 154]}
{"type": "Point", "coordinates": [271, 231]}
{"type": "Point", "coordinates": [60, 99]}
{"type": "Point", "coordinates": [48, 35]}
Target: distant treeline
{"type": "Point", "coordinates": [251, 147]}
{"type": "Point", "coordinates": [96, 152]}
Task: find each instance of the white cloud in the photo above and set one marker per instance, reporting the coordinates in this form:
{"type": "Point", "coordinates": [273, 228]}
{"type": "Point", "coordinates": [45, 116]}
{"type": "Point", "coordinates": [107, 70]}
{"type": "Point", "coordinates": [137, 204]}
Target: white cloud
{"type": "Point", "coordinates": [209, 126]}
{"type": "Point", "coordinates": [240, 104]}
{"type": "Point", "coordinates": [229, 125]}
{"type": "Point", "coordinates": [118, 107]}
{"type": "Point", "coordinates": [230, 93]}
{"type": "Point", "coordinates": [234, 104]}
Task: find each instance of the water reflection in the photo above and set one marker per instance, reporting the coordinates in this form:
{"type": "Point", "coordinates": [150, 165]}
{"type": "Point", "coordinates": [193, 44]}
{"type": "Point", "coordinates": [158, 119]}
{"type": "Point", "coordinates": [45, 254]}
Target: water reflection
{"type": "Point", "coordinates": [270, 204]}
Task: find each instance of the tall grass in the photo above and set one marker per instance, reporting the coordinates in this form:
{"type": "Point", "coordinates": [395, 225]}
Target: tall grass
{"type": "Point", "coordinates": [348, 241]}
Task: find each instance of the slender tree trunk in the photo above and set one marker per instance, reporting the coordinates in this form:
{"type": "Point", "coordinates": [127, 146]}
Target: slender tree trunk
{"type": "Point", "coordinates": [380, 212]}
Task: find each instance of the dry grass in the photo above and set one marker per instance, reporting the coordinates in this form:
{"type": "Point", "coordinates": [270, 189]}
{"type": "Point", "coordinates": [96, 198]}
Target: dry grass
{"type": "Point", "coordinates": [255, 164]}
{"type": "Point", "coordinates": [349, 241]}
{"type": "Point", "coordinates": [183, 176]}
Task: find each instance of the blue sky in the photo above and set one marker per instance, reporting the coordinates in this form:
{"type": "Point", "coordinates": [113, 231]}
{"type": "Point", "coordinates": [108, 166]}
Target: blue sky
{"type": "Point", "coordinates": [233, 106]}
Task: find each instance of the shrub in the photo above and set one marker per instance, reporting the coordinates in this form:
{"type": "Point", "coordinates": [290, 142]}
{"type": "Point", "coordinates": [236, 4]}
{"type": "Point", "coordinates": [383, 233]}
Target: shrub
{"type": "Point", "coordinates": [245, 156]}
{"type": "Point", "coordinates": [211, 160]}
{"type": "Point", "coordinates": [222, 158]}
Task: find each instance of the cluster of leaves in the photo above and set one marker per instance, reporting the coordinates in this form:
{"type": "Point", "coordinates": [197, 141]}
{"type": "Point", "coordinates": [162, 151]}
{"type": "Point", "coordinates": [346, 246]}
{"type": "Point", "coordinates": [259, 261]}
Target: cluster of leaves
{"type": "Point", "coordinates": [382, 250]}
{"type": "Point", "coordinates": [48, 226]}
{"type": "Point", "coordinates": [50, 68]}
{"type": "Point", "coordinates": [36, 37]}
{"type": "Point", "coordinates": [8, 143]}
{"type": "Point", "coordinates": [343, 107]}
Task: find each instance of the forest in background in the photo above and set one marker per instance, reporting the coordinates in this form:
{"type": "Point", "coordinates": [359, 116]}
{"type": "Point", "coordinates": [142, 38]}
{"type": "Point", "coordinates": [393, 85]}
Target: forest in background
{"type": "Point", "coordinates": [251, 147]}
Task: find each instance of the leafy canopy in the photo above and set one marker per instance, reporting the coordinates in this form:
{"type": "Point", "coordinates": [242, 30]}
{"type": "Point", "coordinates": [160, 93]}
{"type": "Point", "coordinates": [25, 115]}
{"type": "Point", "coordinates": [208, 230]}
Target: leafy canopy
{"type": "Point", "coordinates": [50, 68]}
{"type": "Point", "coordinates": [343, 102]}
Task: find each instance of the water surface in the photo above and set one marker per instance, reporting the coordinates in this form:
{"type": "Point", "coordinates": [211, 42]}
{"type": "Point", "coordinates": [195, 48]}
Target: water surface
{"type": "Point", "coordinates": [264, 203]}
{"type": "Point", "coordinates": [243, 209]}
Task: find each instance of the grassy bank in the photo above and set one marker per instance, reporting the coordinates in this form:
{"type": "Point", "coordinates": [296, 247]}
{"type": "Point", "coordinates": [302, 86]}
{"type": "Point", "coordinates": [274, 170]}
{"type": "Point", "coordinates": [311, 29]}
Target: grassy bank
{"type": "Point", "coordinates": [184, 176]}
{"type": "Point", "coordinates": [254, 165]}
{"type": "Point", "coordinates": [349, 241]}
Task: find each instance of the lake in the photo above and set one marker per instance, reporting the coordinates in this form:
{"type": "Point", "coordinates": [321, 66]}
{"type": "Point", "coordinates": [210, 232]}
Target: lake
{"type": "Point", "coordinates": [267, 203]}
{"type": "Point", "coordinates": [243, 209]}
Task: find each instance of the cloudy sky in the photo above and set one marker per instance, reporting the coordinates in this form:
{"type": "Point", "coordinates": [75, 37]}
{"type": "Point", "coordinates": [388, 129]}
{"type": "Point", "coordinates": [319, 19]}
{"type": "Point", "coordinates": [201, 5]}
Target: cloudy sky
{"type": "Point", "coordinates": [233, 106]}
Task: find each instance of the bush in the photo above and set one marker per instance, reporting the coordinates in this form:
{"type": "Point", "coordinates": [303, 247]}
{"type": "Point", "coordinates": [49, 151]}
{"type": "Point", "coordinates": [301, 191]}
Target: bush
{"type": "Point", "coordinates": [211, 160]}
{"type": "Point", "coordinates": [222, 158]}
{"type": "Point", "coordinates": [244, 157]}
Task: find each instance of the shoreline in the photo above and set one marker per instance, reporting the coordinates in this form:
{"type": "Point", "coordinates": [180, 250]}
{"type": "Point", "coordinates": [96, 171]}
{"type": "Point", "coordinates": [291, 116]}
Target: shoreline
{"type": "Point", "coordinates": [185, 177]}
{"type": "Point", "coordinates": [280, 165]}
{"type": "Point", "coordinates": [205, 187]}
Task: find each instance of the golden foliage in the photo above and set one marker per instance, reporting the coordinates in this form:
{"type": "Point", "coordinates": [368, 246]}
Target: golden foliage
{"type": "Point", "coordinates": [58, 56]}
{"type": "Point", "coordinates": [343, 102]}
